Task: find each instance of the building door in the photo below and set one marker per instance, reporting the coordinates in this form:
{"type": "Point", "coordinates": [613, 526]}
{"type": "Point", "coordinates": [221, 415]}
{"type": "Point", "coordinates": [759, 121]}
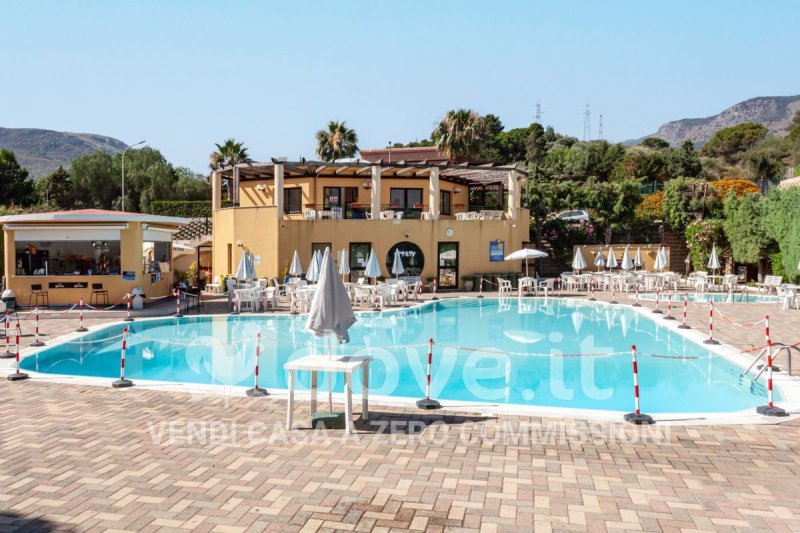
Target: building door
{"type": "Point", "coordinates": [447, 271]}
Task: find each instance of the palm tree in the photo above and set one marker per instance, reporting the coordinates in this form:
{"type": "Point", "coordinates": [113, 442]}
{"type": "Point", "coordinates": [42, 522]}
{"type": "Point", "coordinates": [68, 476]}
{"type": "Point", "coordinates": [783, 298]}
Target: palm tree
{"type": "Point", "coordinates": [461, 134]}
{"type": "Point", "coordinates": [336, 142]}
{"type": "Point", "coordinates": [229, 153]}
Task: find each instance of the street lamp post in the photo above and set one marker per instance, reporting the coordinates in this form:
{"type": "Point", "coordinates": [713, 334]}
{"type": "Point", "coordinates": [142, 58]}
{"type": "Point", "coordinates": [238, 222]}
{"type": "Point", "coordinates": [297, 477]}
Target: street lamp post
{"type": "Point", "coordinates": [123, 170]}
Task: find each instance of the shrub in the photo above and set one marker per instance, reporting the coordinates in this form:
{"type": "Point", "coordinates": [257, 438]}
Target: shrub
{"type": "Point", "coordinates": [651, 207]}
{"type": "Point", "coordinates": [738, 187]}
{"type": "Point", "coordinates": [701, 236]}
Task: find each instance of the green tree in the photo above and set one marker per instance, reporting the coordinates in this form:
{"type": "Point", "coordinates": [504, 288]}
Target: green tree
{"type": "Point", "coordinates": [684, 161]}
{"type": "Point", "coordinates": [654, 143]}
{"type": "Point", "coordinates": [337, 141]}
{"type": "Point", "coordinates": [95, 183]}
{"type": "Point", "coordinates": [701, 237]}
{"type": "Point", "coordinates": [191, 186]}
{"type": "Point", "coordinates": [783, 219]}
{"type": "Point", "coordinates": [230, 152]}
{"type": "Point", "coordinates": [15, 187]}
{"type": "Point", "coordinates": [612, 204]}
{"type": "Point", "coordinates": [687, 200]}
{"type": "Point", "coordinates": [547, 197]}
{"type": "Point", "coordinates": [730, 143]}
{"type": "Point", "coordinates": [746, 230]}
{"type": "Point", "coordinates": [148, 177]}
{"type": "Point", "coordinates": [56, 189]}
{"type": "Point", "coordinates": [461, 134]}
{"type": "Point", "coordinates": [764, 165]}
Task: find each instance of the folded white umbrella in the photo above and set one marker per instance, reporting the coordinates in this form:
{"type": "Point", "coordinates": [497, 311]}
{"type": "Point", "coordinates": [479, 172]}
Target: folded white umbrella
{"type": "Point", "coordinates": [296, 269]}
{"type": "Point", "coordinates": [331, 313]}
{"type": "Point", "coordinates": [611, 260]}
{"type": "Point", "coordinates": [713, 261]}
{"type": "Point", "coordinates": [661, 259]}
{"type": "Point", "coordinates": [245, 270]}
{"type": "Point", "coordinates": [525, 254]}
{"type": "Point", "coordinates": [344, 263]}
{"type": "Point", "coordinates": [578, 262]}
{"type": "Point", "coordinates": [637, 261]}
{"type": "Point", "coordinates": [373, 269]}
{"type": "Point", "coordinates": [627, 263]}
{"type": "Point", "coordinates": [397, 265]}
{"type": "Point", "coordinates": [314, 268]}
{"type": "Point", "coordinates": [599, 260]}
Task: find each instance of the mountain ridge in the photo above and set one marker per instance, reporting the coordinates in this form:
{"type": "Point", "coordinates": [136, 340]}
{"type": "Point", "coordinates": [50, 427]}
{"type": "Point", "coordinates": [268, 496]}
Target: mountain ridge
{"type": "Point", "coordinates": [774, 112]}
{"type": "Point", "coordinates": [42, 151]}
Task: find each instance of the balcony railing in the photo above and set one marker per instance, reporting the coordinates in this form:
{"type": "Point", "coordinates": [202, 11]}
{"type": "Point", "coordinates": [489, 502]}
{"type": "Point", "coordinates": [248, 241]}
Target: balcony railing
{"type": "Point", "coordinates": [394, 212]}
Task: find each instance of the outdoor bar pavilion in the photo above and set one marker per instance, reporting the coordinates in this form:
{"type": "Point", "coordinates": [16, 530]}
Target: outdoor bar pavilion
{"type": "Point", "coordinates": [449, 220]}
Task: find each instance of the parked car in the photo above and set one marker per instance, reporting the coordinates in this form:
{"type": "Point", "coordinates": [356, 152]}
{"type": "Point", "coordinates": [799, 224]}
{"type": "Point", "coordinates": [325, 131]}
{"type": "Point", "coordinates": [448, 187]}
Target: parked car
{"type": "Point", "coordinates": [574, 215]}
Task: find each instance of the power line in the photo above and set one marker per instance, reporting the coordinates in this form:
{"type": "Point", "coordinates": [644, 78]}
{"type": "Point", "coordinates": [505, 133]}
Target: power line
{"type": "Point", "coordinates": [538, 112]}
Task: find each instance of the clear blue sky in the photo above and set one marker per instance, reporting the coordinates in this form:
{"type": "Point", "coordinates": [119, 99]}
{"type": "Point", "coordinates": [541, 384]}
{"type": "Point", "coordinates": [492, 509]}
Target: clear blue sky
{"type": "Point", "coordinates": [183, 75]}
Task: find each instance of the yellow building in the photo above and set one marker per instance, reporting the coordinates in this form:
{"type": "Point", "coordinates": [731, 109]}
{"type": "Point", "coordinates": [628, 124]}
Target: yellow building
{"type": "Point", "coordinates": [68, 254]}
{"type": "Point", "coordinates": [449, 220]}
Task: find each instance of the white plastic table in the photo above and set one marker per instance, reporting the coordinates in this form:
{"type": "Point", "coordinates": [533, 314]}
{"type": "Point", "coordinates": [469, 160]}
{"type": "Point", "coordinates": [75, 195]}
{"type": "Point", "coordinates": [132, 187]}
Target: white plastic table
{"type": "Point", "coordinates": [346, 364]}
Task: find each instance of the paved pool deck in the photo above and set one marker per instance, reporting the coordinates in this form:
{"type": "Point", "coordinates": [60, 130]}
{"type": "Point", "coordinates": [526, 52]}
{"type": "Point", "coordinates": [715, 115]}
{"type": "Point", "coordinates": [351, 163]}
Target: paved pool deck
{"type": "Point", "coordinates": [87, 458]}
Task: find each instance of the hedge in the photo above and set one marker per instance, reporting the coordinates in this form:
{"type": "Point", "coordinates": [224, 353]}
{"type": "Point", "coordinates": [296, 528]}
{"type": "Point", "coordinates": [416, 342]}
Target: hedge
{"type": "Point", "coordinates": [182, 208]}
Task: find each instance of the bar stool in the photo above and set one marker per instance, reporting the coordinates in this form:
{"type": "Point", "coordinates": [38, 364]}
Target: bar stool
{"type": "Point", "coordinates": [37, 292]}
{"type": "Point", "coordinates": [98, 292]}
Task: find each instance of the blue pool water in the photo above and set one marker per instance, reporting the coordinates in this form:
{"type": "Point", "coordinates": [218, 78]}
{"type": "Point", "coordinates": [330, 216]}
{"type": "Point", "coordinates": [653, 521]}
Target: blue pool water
{"type": "Point", "coordinates": [513, 364]}
{"type": "Point", "coordinates": [716, 297]}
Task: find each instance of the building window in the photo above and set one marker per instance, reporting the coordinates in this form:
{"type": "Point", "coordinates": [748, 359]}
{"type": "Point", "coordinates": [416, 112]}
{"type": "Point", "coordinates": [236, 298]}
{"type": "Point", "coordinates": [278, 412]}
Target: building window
{"type": "Point", "coordinates": [445, 203]}
{"type": "Point", "coordinates": [68, 258]}
{"type": "Point", "coordinates": [156, 257]}
{"type": "Point", "coordinates": [343, 197]}
{"type": "Point", "coordinates": [293, 200]}
{"type": "Point", "coordinates": [404, 198]}
{"type": "Point", "coordinates": [411, 256]}
{"type": "Point", "coordinates": [359, 253]}
{"type": "Point", "coordinates": [320, 247]}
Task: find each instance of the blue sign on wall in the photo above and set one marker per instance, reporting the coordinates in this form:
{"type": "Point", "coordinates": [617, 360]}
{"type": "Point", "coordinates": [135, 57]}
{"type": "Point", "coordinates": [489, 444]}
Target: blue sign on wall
{"type": "Point", "coordinates": [497, 250]}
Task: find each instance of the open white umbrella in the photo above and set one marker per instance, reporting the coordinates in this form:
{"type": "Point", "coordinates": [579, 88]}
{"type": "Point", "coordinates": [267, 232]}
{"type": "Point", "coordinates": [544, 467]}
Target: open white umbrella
{"type": "Point", "coordinates": [599, 260]}
{"type": "Point", "coordinates": [330, 314]}
{"type": "Point", "coordinates": [245, 270]}
{"type": "Point", "coordinates": [397, 265]}
{"type": "Point", "coordinates": [661, 259]}
{"type": "Point", "coordinates": [295, 269]}
{"type": "Point", "coordinates": [637, 261]}
{"type": "Point", "coordinates": [373, 269]}
{"type": "Point", "coordinates": [713, 261]}
{"type": "Point", "coordinates": [344, 263]}
{"type": "Point", "coordinates": [627, 262]}
{"type": "Point", "coordinates": [611, 260]}
{"type": "Point", "coordinates": [525, 254]}
{"type": "Point", "coordinates": [578, 262]}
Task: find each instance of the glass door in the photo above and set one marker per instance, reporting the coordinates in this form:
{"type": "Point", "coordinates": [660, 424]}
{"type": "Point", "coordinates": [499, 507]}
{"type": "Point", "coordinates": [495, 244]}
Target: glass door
{"type": "Point", "coordinates": [447, 272]}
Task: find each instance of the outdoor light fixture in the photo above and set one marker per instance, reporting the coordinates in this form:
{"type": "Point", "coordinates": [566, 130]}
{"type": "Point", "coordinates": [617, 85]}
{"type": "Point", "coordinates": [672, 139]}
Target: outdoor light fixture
{"type": "Point", "coordinates": [457, 190]}
{"type": "Point", "coordinates": [240, 244]}
{"type": "Point", "coordinates": [261, 187]}
{"type": "Point", "coordinates": [366, 185]}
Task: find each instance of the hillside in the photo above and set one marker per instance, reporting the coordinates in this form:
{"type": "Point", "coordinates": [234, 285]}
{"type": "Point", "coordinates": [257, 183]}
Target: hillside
{"type": "Point", "coordinates": [42, 151]}
{"type": "Point", "coordinates": [774, 112]}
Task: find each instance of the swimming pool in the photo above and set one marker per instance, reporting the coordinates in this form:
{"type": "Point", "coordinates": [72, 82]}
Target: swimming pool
{"type": "Point", "coordinates": [716, 297]}
{"type": "Point", "coordinates": [538, 352]}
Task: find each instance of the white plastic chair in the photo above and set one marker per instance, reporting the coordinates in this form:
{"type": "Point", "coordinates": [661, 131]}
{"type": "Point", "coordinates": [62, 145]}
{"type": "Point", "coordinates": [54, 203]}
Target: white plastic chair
{"type": "Point", "coordinates": [505, 287]}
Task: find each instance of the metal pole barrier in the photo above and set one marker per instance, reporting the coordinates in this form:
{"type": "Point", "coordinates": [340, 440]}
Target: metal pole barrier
{"type": "Point", "coordinates": [81, 327]}
{"type": "Point", "coordinates": [636, 301]}
{"type": "Point", "coordinates": [17, 375]}
{"type": "Point", "coordinates": [591, 291]}
{"type": "Point", "coordinates": [8, 354]}
{"type": "Point", "coordinates": [669, 316]}
{"type": "Point", "coordinates": [684, 325]}
{"type": "Point", "coordinates": [178, 303]}
{"type": "Point", "coordinates": [711, 339]}
{"type": "Point", "coordinates": [434, 290]}
{"type": "Point", "coordinates": [427, 403]}
{"type": "Point", "coordinates": [613, 293]}
{"type": "Point", "coordinates": [128, 317]}
{"type": "Point", "coordinates": [256, 391]}
{"type": "Point", "coordinates": [122, 383]}
{"type": "Point", "coordinates": [37, 342]}
{"type": "Point", "coordinates": [235, 305]}
{"type": "Point", "coordinates": [658, 302]}
{"type": "Point", "coordinates": [770, 409]}
{"type": "Point", "coordinates": [480, 288]}
{"type": "Point", "coordinates": [636, 417]}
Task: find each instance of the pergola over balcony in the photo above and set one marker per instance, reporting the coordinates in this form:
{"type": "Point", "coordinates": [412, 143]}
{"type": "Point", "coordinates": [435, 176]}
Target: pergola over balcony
{"type": "Point", "coordinates": [487, 183]}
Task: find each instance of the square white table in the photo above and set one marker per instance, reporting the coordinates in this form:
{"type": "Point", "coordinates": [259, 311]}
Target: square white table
{"type": "Point", "coordinates": [345, 364]}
